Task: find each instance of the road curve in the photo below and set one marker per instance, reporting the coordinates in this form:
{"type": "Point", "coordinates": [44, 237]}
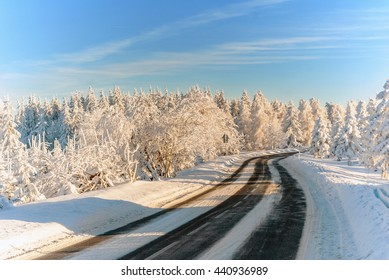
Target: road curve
{"type": "Point", "coordinates": [277, 238]}
{"type": "Point", "coordinates": [68, 251]}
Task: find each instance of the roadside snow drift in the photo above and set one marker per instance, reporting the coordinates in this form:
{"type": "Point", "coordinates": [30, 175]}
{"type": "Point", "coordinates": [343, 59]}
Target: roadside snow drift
{"type": "Point", "coordinates": [348, 209]}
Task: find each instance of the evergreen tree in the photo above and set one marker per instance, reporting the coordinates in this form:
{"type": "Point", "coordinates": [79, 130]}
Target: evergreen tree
{"type": "Point", "coordinates": [349, 145]}
{"type": "Point", "coordinates": [368, 136]}
{"type": "Point", "coordinates": [381, 145]}
{"type": "Point", "coordinates": [259, 117]}
{"type": "Point", "coordinates": [91, 102]}
{"type": "Point", "coordinates": [29, 119]}
{"type": "Point", "coordinates": [336, 128]}
{"type": "Point", "coordinates": [19, 172]}
{"type": "Point", "coordinates": [305, 118]}
{"type": "Point", "coordinates": [292, 128]}
{"type": "Point", "coordinates": [243, 119]}
{"type": "Point", "coordinates": [320, 146]}
{"type": "Point", "coordinates": [66, 130]}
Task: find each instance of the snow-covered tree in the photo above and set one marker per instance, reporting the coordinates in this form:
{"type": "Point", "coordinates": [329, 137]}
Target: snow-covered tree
{"type": "Point", "coordinates": [381, 144]}
{"type": "Point", "coordinates": [305, 118]}
{"type": "Point", "coordinates": [369, 135]}
{"type": "Point", "coordinates": [349, 143]}
{"type": "Point", "coordinates": [91, 101]}
{"type": "Point", "coordinates": [17, 180]}
{"type": "Point", "coordinates": [337, 119]}
{"type": "Point", "coordinates": [292, 128]}
{"type": "Point", "coordinates": [29, 119]}
{"type": "Point", "coordinates": [320, 143]}
{"type": "Point", "coordinates": [103, 102]}
{"type": "Point", "coordinates": [243, 119]}
{"type": "Point", "coordinates": [259, 119]}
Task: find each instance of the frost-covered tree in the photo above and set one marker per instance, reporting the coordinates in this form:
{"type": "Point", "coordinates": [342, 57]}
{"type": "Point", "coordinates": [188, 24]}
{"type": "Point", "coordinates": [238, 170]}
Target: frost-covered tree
{"type": "Point", "coordinates": [117, 99]}
{"type": "Point", "coordinates": [243, 119]}
{"type": "Point", "coordinates": [29, 119]}
{"type": "Point", "coordinates": [259, 119]}
{"type": "Point", "coordinates": [320, 143]}
{"type": "Point", "coordinates": [305, 118]}
{"type": "Point", "coordinates": [336, 127]}
{"type": "Point", "coordinates": [381, 143]}
{"type": "Point", "coordinates": [362, 116]}
{"type": "Point", "coordinates": [292, 128]}
{"type": "Point", "coordinates": [91, 101]}
{"type": "Point", "coordinates": [369, 135]}
{"type": "Point", "coordinates": [221, 101]}
{"type": "Point", "coordinates": [103, 102]}
{"type": "Point", "coordinates": [349, 143]}
{"type": "Point", "coordinates": [234, 108]}
{"type": "Point", "coordinates": [19, 172]}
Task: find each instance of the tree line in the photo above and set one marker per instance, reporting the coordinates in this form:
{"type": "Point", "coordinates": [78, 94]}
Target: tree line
{"type": "Point", "coordinates": [86, 142]}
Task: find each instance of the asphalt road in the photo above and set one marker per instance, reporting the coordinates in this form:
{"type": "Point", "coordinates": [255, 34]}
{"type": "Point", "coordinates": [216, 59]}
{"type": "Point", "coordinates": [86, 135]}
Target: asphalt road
{"type": "Point", "coordinates": [277, 238]}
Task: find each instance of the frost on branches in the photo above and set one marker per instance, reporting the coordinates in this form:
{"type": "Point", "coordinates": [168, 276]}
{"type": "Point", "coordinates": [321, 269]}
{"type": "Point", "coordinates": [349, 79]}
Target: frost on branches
{"type": "Point", "coordinates": [56, 148]}
{"type": "Point", "coordinates": [84, 143]}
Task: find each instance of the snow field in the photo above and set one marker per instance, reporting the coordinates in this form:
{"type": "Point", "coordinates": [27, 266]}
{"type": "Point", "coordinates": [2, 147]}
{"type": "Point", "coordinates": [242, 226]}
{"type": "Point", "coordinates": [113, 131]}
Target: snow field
{"type": "Point", "coordinates": [347, 210]}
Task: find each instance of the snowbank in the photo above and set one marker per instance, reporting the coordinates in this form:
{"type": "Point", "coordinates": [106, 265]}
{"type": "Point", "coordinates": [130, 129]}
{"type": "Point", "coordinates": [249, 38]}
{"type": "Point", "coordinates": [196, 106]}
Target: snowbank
{"type": "Point", "coordinates": [348, 209]}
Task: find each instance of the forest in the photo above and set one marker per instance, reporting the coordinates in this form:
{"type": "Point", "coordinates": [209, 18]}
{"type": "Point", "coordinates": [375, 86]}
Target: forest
{"type": "Point", "coordinates": [86, 142]}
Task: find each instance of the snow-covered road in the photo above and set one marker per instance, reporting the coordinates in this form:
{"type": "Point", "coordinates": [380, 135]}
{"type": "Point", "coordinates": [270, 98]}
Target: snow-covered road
{"type": "Point", "coordinates": [346, 215]}
{"type": "Point", "coordinates": [256, 210]}
{"type": "Point", "coordinates": [346, 219]}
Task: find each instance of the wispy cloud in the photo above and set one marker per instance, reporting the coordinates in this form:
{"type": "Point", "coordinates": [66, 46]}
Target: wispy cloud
{"type": "Point", "coordinates": [68, 68]}
{"type": "Point", "coordinates": [278, 44]}
{"type": "Point", "coordinates": [230, 54]}
{"type": "Point", "coordinates": [226, 12]}
{"type": "Point", "coordinates": [95, 53]}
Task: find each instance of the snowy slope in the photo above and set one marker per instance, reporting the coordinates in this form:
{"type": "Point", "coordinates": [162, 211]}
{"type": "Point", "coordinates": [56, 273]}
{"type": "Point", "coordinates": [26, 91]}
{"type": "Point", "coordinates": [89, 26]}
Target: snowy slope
{"type": "Point", "coordinates": [348, 209]}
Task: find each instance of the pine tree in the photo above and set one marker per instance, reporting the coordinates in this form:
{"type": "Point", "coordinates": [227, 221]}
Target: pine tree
{"type": "Point", "coordinates": [28, 119]}
{"type": "Point", "coordinates": [243, 119]}
{"type": "Point", "coordinates": [336, 128]}
{"type": "Point", "coordinates": [66, 130]}
{"type": "Point", "coordinates": [19, 171]}
{"type": "Point", "coordinates": [234, 108]}
{"type": "Point", "coordinates": [381, 145]}
{"type": "Point", "coordinates": [305, 118]}
{"type": "Point", "coordinates": [118, 102]}
{"type": "Point", "coordinates": [259, 119]}
{"type": "Point", "coordinates": [292, 128]}
{"type": "Point", "coordinates": [320, 145]}
{"type": "Point", "coordinates": [103, 103]}
{"type": "Point", "coordinates": [91, 102]}
{"type": "Point", "coordinates": [349, 145]}
{"type": "Point", "coordinates": [368, 137]}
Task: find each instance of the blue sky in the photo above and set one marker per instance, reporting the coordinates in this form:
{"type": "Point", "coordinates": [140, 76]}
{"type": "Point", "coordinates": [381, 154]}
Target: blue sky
{"type": "Point", "coordinates": [290, 49]}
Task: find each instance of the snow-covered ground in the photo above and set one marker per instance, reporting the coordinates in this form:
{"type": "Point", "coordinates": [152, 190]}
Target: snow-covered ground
{"type": "Point", "coordinates": [348, 216]}
{"type": "Point", "coordinates": [26, 230]}
{"type": "Point", "coordinates": [348, 209]}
